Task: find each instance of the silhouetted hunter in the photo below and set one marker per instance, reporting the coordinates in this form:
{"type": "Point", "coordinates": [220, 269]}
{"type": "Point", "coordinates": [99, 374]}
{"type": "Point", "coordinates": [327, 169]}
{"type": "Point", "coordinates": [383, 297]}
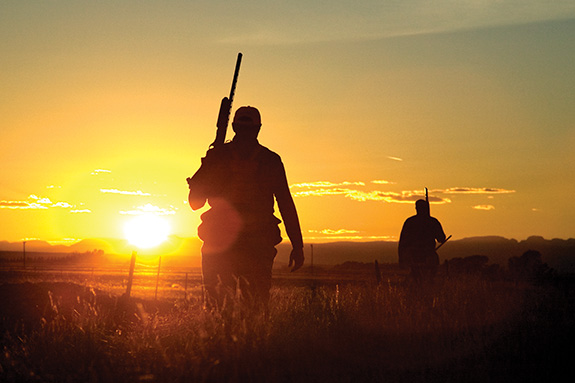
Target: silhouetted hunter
{"type": "Point", "coordinates": [240, 179]}
{"type": "Point", "coordinates": [417, 243]}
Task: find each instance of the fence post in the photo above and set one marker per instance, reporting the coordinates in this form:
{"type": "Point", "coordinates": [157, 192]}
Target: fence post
{"type": "Point", "coordinates": [131, 274]}
{"type": "Point", "coordinates": [186, 287]}
{"type": "Point", "coordinates": [158, 278]}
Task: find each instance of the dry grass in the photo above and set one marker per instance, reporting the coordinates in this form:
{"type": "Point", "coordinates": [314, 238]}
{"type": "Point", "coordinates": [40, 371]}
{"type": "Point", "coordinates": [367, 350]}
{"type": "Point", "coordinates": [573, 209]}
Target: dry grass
{"type": "Point", "coordinates": [463, 329]}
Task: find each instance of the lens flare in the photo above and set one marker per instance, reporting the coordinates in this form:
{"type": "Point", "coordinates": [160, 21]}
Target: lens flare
{"type": "Point", "coordinates": [145, 231]}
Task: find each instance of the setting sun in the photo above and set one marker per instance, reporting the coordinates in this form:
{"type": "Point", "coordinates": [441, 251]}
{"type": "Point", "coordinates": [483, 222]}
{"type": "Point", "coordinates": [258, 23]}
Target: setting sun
{"type": "Point", "coordinates": [145, 231]}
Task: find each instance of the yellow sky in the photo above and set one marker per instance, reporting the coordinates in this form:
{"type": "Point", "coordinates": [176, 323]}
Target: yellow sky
{"type": "Point", "coordinates": [106, 108]}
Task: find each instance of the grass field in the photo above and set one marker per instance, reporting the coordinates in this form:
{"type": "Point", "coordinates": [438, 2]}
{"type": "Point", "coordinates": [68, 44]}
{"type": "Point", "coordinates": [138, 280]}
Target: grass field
{"type": "Point", "coordinates": [70, 326]}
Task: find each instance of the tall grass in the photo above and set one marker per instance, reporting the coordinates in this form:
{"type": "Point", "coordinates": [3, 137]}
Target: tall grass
{"type": "Point", "coordinates": [464, 329]}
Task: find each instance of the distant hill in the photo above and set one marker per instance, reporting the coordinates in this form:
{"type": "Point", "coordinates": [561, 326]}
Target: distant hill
{"type": "Point", "coordinates": [175, 251]}
{"type": "Point", "coordinates": [174, 245]}
{"type": "Point", "coordinates": [557, 253]}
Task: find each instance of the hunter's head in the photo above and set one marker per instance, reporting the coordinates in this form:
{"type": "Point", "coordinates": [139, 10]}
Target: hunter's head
{"type": "Point", "coordinates": [422, 207]}
{"type": "Point", "coordinates": [247, 122]}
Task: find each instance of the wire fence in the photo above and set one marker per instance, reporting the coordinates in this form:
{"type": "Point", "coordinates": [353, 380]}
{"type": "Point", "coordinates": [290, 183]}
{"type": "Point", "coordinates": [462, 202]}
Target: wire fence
{"type": "Point", "coordinates": [148, 281]}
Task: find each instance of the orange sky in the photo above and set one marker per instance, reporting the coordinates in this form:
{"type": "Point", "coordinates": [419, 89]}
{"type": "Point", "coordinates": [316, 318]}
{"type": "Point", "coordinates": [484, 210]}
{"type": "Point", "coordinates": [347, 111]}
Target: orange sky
{"type": "Point", "coordinates": [107, 108]}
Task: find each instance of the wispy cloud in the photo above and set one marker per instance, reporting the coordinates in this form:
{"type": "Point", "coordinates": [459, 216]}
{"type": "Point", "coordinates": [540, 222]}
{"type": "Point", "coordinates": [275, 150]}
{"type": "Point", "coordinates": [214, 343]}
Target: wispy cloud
{"type": "Point", "coordinates": [403, 197]}
{"type": "Point", "coordinates": [35, 202]}
{"type": "Point", "coordinates": [64, 205]}
{"type": "Point", "coordinates": [80, 211]}
{"type": "Point", "coordinates": [395, 158]}
{"type": "Point", "coordinates": [100, 171]}
{"type": "Point", "coordinates": [382, 182]}
{"type": "Point", "coordinates": [362, 196]}
{"type": "Point", "coordinates": [466, 190]}
{"type": "Point", "coordinates": [484, 207]}
{"type": "Point", "coordinates": [354, 238]}
{"type": "Point", "coordinates": [343, 234]}
{"type": "Point", "coordinates": [64, 241]}
{"type": "Point", "coordinates": [326, 188]}
{"type": "Point", "coordinates": [356, 191]}
{"type": "Point", "coordinates": [326, 184]}
{"type": "Point", "coordinates": [150, 209]}
{"type": "Point", "coordinates": [285, 23]}
{"type": "Point", "coordinates": [124, 192]}
{"type": "Point", "coordinates": [21, 205]}
{"type": "Point", "coordinates": [333, 232]}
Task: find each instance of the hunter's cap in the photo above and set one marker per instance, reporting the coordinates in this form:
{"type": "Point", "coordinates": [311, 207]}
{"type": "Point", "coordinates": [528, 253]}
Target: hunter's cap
{"type": "Point", "coordinates": [247, 115]}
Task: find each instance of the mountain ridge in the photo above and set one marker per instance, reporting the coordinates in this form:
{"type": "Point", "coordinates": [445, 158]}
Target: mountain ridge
{"type": "Point", "coordinates": [558, 253]}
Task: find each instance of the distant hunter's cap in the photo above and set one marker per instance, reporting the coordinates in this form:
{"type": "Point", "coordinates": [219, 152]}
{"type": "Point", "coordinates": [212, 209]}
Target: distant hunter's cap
{"type": "Point", "coordinates": [421, 203]}
{"type": "Point", "coordinates": [247, 115]}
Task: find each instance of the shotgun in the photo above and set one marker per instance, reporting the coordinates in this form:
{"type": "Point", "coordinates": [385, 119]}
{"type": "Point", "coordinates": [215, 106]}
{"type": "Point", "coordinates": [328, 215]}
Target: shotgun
{"type": "Point", "coordinates": [225, 108]}
{"type": "Point", "coordinates": [442, 243]}
{"type": "Point", "coordinates": [427, 200]}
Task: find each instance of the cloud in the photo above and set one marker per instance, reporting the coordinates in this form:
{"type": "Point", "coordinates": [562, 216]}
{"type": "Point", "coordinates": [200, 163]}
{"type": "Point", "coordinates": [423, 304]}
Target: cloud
{"type": "Point", "coordinates": [149, 209]}
{"type": "Point", "coordinates": [484, 207]}
{"type": "Point", "coordinates": [326, 184]}
{"type": "Point", "coordinates": [354, 190]}
{"type": "Point", "coordinates": [466, 190]}
{"type": "Point", "coordinates": [64, 241]}
{"type": "Point", "coordinates": [64, 205]}
{"type": "Point", "coordinates": [323, 192]}
{"type": "Point", "coordinates": [395, 158]}
{"type": "Point", "coordinates": [285, 23]}
{"type": "Point", "coordinates": [21, 205]}
{"type": "Point", "coordinates": [404, 197]}
{"type": "Point", "coordinates": [340, 235]}
{"type": "Point", "coordinates": [34, 203]}
{"type": "Point", "coordinates": [344, 234]}
{"type": "Point", "coordinates": [382, 182]}
{"type": "Point", "coordinates": [333, 232]}
{"type": "Point", "coordinates": [124, 192]}
{"type": "Point", "coordinates": [80, 211]}
{"type": "Point", "coordinates": [100, 171]}
{"type": "Point", "coordinates": [360, 195]}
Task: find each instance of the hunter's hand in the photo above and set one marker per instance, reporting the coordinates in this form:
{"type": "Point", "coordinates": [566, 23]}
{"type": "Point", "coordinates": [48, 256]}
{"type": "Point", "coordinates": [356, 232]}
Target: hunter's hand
{"type": "Point", "coordinates": [296, 259]}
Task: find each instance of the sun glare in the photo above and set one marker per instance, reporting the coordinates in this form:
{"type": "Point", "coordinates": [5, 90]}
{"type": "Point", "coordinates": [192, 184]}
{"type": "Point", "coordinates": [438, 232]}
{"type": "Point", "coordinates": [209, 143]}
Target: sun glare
{"type": "Point", "coordinates": [145, 231]}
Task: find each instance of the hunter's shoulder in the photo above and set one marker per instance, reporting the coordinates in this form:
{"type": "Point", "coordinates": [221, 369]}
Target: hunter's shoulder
{"type": "Point", "coordinates": [413, 218]}
{"type": "Point", "coordinates": [435, 222]}
{"type": "Point", "coordinates": [267, 153]}
{"type": "Point", "coordinates": [434, 219]}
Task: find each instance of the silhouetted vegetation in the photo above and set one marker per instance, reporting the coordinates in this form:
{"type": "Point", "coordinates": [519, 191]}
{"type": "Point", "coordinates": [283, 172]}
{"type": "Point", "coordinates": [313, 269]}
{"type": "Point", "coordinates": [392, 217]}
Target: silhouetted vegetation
{"type": "Point", "coordinates": [465, 328]}
{"type": "Point", "coordinates": [529, 267]}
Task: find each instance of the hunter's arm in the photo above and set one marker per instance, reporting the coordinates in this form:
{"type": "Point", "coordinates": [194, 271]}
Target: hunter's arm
{"type": "Point", "coordinates": [439, 233]}
{"type": "Point", "coordinates": [288, 210]}
{"type": "Point", "coordinates": [401, 245]}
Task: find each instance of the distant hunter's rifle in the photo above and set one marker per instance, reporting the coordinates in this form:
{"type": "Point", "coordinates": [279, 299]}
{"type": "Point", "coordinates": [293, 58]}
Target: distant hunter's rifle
{"type": "Point", "coordinates": [442, 243]}
{"type": "Point", "coordinates": [427, 200]}
{"type": "Point", "coordinates": [225, 108]}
